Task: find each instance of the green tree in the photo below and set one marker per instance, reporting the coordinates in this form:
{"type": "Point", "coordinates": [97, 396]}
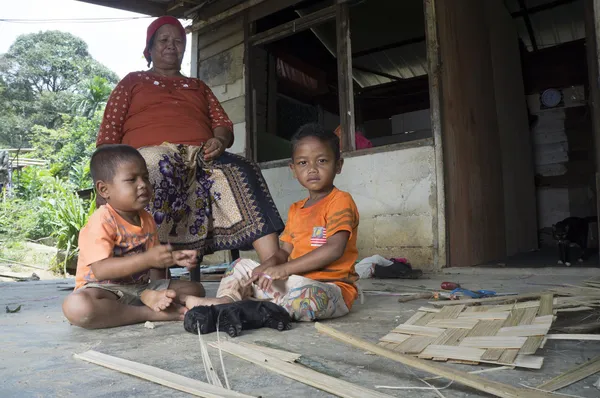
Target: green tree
{"type": "Point", "coordinates": [44, 75]}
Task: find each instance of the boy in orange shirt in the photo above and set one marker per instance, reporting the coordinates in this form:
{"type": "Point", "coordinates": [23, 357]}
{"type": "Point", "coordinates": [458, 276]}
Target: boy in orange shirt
{"type": "Point", "coordinates": [312, 275]}
{"type": "Point", "coordinates": [121, 269]}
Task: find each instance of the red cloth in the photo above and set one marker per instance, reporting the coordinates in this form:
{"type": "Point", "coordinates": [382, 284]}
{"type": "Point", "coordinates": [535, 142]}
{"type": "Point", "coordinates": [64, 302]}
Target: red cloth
{"type": "Point", "coordinates": [155, 25]}
{"type": "Point", "coordinates": [360, 140]}
{"type": "Point", "coordinates": [147, 109]}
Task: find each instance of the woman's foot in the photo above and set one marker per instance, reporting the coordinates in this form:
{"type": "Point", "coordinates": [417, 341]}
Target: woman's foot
{"type": "Point", "coordinates": [192, 301]}
{"type": "Point", "coordinates": [158, 300]}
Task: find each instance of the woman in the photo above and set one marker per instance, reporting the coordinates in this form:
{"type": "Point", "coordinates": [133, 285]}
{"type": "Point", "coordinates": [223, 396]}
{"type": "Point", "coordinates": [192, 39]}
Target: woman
{"type": "Point", "coordinates": [204, 198]}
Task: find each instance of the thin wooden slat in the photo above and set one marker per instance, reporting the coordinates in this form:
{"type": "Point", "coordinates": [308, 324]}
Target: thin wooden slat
{"type": "Point", "coordinates": [429, 309]}
{"type": "Point", "coordinates": [546, 304]}
{"type": "Point", "coordinates": [524, 331]}
{"type": "Point", "coordinates": [583, 337]}
{"type": "Point", "coordinates": [492, 355]}
{"type": "Point", "coordinates": [286, 356]}
{"type": "Point", "coordinates": [486, 328]}
{"type": "Point", "coordinates": [508, 356]}
{"type": "Point", "coordinates": [531, 346]}
{"type": "Point", "coordinates": [493, 342]}
{"type": "Point", "coordinates": [424, 320]}
{"type": "Point", "coordinates": [545, 320]}
{"type": "Point", "coordinates": [573, 375]}
{"type": "Point", "coordinates": [528, 316]}
{"type": "Point", "coordinates": [414, 345]}
{"type": "Point", "coordinates": [451, 337]}
{"type": "Point", "coordinates": [159, 376]}
{"type": "Point", "coordinates": [503, 307]}
{"type": "Point", "coordinates": [394, 338]}
{"type": "Point", "coordinates": [449, 312]}
{"type": "Point", "coordinates": [418, 330]}
{"type": "Point", "coordinates": [488, 300]}
{"type": "Point", "coordinates": [416, 316]}
{"type": "Point", "coordinates": [484, 315]}
{"type": "Point", "coordinates": [302, 374]}
{"type": "Point", "coordinates": [459, 323]}
{"type": "Point", "coordinates": [453, 352]}
{"type": "Point", "coordinates": [480, 383]}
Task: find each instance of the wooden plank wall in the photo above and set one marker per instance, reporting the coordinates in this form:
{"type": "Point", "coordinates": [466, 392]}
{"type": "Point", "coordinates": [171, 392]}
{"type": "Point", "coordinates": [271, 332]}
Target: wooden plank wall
{"type": "Point", "coordinates": [513, 124]}
{"type": "Point", "coordinates": [221, 67]}
{"type": "Point", "coordinates": [474, 188]}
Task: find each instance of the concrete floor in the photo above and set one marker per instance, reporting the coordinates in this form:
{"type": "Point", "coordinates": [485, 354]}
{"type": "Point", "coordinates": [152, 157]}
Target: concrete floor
{"type": "Point", "coordinates": [38, 344]}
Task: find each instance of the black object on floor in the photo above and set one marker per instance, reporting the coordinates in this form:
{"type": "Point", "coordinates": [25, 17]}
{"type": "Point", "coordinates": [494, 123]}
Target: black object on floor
{"type": "Point", "coordinates": [235, 317]}
{"type": "Point", "coordinates": [398, 270]}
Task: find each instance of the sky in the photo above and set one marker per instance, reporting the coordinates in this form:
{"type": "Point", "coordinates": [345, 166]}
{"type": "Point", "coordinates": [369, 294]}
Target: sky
{"type": "Point", "coordinates": [118, 45]}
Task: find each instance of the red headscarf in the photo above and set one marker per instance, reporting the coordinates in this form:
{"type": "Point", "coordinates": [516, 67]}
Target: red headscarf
{"type": "Point", "coordinates": [155, 25]}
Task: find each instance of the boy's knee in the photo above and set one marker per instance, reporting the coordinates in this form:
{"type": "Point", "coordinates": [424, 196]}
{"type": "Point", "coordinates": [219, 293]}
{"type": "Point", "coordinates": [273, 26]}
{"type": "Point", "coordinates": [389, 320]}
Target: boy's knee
{"type": "Point", "coordinates": [79, 309]}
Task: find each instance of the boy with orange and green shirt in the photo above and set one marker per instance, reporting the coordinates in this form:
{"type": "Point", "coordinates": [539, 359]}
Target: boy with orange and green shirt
{"type": "Point", "coordinates": [312, 275]}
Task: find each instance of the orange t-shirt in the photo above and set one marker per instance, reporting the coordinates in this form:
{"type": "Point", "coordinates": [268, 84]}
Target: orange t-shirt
{"type": "Point", "coordinates": [106, 235]}
{"type": "Point", "coordinates": [308, 228]}
{"type": "Point", "coordinates": [147, 109]}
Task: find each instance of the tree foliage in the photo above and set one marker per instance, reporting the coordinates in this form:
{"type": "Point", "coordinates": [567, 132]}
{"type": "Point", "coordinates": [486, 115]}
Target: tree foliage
{"type": "Point", "coordinates": [43, 76]}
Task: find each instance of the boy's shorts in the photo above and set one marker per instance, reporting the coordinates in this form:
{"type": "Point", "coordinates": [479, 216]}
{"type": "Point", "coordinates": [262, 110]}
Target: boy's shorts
{"type": "Point", "coordinates": [130, 294]}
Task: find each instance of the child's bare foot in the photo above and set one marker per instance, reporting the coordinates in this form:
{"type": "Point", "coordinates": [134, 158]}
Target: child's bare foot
{"type": "Point", "coordinates": [175, 312]}
{"type": "Point", "coordinates": [192, 301]}
{"type": "Point", "coordinates": [158, 300]}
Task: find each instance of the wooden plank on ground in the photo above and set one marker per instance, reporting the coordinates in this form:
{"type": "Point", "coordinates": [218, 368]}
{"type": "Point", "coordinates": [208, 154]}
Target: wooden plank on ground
{"type": "Point", "coordinates": [451, 337]}
{"type": "Point", "coordinates": [583, 337]}
{"type": "Point", "coordinates": [573, 375]}
{"type": "Point", "coordinates": [493, 342]}
{"type": "Point", "coordinates": [284, 355]}
{"type": "Point", "coordinates": [531, 346]}
{"type": "Point", "coordinates": [503, 307]}
{"type": "Point", "coordinates": [159, 376]}
{"type": "Point", "coordinates": [479, 383]}
{"type": "Point", "coordinates": [488, 300]}
{"type": "Point", "coordinates": [452, 352]}
{"type": "Point", "coordinates": [302, 374]}
{"type": "Point", "coordinates": [486, 328]}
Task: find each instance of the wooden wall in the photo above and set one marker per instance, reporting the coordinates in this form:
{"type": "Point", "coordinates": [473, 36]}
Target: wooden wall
{"type": "Point", "coordinates": [474, 189]}
{"type": "Point", "coordinates": [220, 62]}
{"type": "Point", "coordinates": [513, 125]}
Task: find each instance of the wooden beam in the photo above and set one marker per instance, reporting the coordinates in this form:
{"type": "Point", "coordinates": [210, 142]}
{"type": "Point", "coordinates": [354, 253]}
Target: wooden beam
{"type": "Point", "coordinates": [225, 15]}
{"type": "Point", "coordinates": [592, 33]}
{"type": "Point", "coordinates": [300, 373]}
{"type": "Point", "coordinates": [295, 26]}
{"type": "Point", "coordinates": [250, 104]}
{"type": "Point", "coordinates": [572, 376]}
{"type": "Point", "coordinates": [159, 376]}
{"type": "Point", "coordinates": [146, 7]}
{"type": "Point", "coordinates": [390, 46]}
{"type": "Point", "coordinates": [345, 80]}
{"type": "Point", "coordinates": [434, 63]}
{"type": "Point", "coordinates": [542, 7]}
{"type": "Point", "coordinates": [528, 25]}
{"type": "Point", "coordinates": [476, 382]}
{"type": "Point", "coordinates": [376, 72]}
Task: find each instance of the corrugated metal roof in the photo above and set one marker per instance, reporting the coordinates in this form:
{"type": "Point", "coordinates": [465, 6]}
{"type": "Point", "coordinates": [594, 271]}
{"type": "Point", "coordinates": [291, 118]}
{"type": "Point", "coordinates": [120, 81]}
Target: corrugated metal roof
{"type": "Point", "coordinates": [561, 24]}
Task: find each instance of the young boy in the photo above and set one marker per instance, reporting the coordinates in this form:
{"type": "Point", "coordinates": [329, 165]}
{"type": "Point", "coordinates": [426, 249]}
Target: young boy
{"type": "Point", "coordinates": [312, 275]}
{"type": "Point", "coordinates": [122, 268]}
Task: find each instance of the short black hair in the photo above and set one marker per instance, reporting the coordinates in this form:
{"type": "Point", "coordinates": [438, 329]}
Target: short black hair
{"type": "Point", "coordinates": [317, 131]}
{"type": "Point", "coordinates": [107, 158]}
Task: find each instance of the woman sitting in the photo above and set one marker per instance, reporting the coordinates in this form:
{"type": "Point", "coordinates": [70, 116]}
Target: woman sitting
{"type": "Point", "coordinates": [204, 198]}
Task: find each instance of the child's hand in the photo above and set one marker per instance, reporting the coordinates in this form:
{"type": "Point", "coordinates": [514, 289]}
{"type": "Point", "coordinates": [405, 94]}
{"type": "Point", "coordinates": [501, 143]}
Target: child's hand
{"type": "Point", "coordinates": [160, 256]}
{"type": "Point", "coordinates": [186, 258]}
{"type": "Point", "coordinates": [266, 278]}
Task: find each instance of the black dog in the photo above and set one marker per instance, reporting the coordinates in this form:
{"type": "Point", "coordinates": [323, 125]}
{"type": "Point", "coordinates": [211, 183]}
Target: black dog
{"type": "Point", "coordinates": [234, 317]}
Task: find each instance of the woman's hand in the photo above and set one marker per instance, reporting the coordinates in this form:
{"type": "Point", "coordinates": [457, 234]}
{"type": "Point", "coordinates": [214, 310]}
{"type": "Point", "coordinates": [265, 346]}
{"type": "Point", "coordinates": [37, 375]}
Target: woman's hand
{"type": "Point", "coordinates": [186, 258]}
{"type": "Point", "coordinates": [214, 148]}
{"type": "Point", "coordinates": [265, 279]}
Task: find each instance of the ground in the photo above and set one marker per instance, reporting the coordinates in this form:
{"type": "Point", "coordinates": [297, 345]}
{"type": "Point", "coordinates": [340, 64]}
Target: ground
{"type": "Point", "coordinates": [38, 345]}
